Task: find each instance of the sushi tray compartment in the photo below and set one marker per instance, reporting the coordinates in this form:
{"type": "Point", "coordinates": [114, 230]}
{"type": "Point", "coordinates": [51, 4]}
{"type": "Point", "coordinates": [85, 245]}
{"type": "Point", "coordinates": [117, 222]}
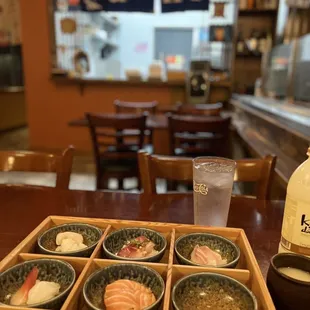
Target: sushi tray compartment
{"type": "Point", "coordinates": [246, 271]}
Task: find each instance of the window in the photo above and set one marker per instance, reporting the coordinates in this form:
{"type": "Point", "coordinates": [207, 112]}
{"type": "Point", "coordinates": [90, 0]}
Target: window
{"type": "Point", "coordinates": [115, 45]}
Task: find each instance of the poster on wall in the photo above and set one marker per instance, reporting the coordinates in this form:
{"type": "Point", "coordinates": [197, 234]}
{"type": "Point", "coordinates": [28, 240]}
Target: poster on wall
{"type": "Point", "coordinates": [199, 5]}
{"type": "Point", "coordinates": [10, 33]}
{"type": "Point", "coordinates": [184, 5]}
{"type": "Point", "coordinates": [221, 33]}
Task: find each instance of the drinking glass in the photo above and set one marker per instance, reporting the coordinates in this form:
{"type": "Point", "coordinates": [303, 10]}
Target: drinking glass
{"type": "Point", "coordinates": [213, 179]}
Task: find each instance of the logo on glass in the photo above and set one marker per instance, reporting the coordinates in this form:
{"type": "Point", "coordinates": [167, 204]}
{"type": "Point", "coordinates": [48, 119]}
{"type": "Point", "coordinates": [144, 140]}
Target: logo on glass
{"type": "Point", "coordinates": [201, 188]}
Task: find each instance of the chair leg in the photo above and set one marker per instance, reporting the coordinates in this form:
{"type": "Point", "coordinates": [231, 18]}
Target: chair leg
{"type": "Point", "coordinates": [120, 184]}
{"type": "Point", "coordinates": [139, 184]}
{"type": "Point", "coordinates": [172, 186]}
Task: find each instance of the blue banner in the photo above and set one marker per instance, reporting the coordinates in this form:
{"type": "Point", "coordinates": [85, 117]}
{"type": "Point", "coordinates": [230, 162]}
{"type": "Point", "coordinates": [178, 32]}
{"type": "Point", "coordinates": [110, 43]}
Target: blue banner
{"type": "Point", "coordinates": [118, 5]}
{"type": "Point", "coordinates": [198, 5]}
{"type": "Point", "coordinates": [144, 6]}
{"type": "Point", "coordinates": [172, 6]}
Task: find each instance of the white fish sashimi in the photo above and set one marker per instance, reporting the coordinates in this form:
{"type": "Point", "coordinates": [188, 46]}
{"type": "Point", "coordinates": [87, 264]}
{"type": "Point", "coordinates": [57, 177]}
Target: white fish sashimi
{"type": "Point", "coordinates": [203, 255]}
{"type": "Point", "coordinates": [78, 238]}
{"type": "Point", "coordinates": [43, 291]}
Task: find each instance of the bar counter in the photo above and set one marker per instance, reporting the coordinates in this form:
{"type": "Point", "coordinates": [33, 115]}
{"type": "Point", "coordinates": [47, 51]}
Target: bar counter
{"type": "Point", "coordinates": [268, 126]}
{"type": "Point", "coordinates": [220, 90]}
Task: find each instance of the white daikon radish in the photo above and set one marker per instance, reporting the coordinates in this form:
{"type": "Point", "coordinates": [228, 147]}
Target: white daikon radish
{"type": "Point", "coordinates": [43, 291]}
{"type": "Point", "coordinates": [69, 245]}
{"type": "Point", "coordinates": [78, 238]}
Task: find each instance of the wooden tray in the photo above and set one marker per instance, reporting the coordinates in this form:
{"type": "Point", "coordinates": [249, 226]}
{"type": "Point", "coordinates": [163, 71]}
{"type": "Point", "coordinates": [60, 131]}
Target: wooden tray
{"type": "Point", "coordinates": [247, 271]}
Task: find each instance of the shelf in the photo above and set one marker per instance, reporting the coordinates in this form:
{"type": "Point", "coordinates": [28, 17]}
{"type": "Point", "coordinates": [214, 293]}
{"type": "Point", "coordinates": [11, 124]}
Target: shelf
{"type": "Point", "coordinates": [248, 56]}
{"type": "Point", "coordinates": [258, 12]}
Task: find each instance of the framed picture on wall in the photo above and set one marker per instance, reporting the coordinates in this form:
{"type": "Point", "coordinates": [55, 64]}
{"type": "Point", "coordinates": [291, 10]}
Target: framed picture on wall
{"type": "Point", "coordinates": [221, 33]}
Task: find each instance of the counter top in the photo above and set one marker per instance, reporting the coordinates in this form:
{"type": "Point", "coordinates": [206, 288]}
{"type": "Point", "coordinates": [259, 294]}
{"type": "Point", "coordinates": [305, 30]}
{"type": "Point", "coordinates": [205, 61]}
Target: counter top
{"type": "Point", "coordinates": [140, 83]}
{"type": "Point", "coordinates": [292, 119]}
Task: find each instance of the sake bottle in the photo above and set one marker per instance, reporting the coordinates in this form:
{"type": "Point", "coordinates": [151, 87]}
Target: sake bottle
{"type": "Point", "coordinates": [295, 236]}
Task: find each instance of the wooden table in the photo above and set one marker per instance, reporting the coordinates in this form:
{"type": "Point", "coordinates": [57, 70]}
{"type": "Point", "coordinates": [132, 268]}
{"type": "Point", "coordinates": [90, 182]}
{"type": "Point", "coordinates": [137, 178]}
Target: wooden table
{"type": "Point", "coordinates": [158, 123]}
{"type": "Point", "coordinates": [23, 208]}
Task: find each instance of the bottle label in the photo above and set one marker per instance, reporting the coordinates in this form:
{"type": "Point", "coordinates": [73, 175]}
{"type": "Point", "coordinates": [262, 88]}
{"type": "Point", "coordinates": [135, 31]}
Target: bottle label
{"type": "Point", "coordinates": [295, 235]}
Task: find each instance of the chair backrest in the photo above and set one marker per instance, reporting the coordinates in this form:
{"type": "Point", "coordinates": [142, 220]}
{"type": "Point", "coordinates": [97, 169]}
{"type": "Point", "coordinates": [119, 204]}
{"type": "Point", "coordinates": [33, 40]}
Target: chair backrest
{"type": "Point", "coordinates": [174, 168]}
{"type": "Point", "coordinates": [110, 130]}
{"type": "Point", "coordinates": [26, 161]}
{"type": "Point", "coordinates": [213, 109]}
{"type": "Point", "coordinates": [135, 107]}
{"type": "Point", "coordinates": [181, 126]}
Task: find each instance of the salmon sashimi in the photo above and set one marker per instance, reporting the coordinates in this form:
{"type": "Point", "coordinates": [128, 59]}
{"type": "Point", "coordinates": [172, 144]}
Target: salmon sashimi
{"type": "Point", "coordinates": [203, 255]}
{"type": "Point", "coordinates": [127, 295]}
{"type": "Point", "coordinates": [138, 248]}
{"type": "Point", "coordinates": [21, 296]}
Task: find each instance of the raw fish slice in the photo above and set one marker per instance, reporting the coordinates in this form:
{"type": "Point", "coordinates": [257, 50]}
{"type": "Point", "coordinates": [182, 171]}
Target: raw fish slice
{"type": "Point", "coordinates": [149, 248]}
{"type": "Point", "coordinates": [203, 255]}
{"type": "Point", "coordinates": [130, 252]}
{"type": "Point", "coordinates": [122, 306]}
{"type": "Point", "coordinates": [127, 295]}
{"type": "Point", "coordinates": [21, 296]}
{"type": "Point", "coordinates": [138, 248]}
{"type": "Point", "coordinates": [141, 239]}
{"type": "Point", "coordinates": [146, 299]}
{"type": "Point", "coordinates": [78, 238]}
{"type": "Point", "coordinates": [42, 292]}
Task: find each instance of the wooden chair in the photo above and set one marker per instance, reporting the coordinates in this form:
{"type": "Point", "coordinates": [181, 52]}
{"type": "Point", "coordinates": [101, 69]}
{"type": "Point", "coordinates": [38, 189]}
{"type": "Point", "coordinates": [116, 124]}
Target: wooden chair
{"type": "Point", "coordinates": [138, 108]}
{"type": "Point", "coordinates": [135, 107]}
{"type": "Point", "coordinates": [115, 149]}
{"type": "Point", "coordinates": [258, 171]}
{"type": "Point", "coordinates": [26, 161]}
{"type": "Point", "coordinates": [200, 109]}
{"type": "Point", "coordinates": [194, 136]}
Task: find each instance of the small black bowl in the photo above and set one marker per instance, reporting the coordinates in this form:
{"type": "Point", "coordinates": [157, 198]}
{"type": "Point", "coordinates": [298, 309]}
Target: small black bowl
{"type": "Point", "coordinates": [94, 287]}
{"type": "Point", "coordinates": [117, 239]}
{"type": "Point", "coordinates": [288, 293]}
{"type": "Point", "coordinates": [185, 245]}
{"type": "Point", "coordinates": [189, 290]}
{"type": "Point", "coordinates": [91, 235]}
{"type": "Point", "coordinates": [49, 270]}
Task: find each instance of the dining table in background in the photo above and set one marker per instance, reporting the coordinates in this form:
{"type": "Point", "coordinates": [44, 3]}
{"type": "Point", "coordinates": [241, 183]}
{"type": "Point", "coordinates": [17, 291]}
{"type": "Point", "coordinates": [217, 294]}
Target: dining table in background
{"type": "Point", "coordinates": [158, 123]}
{"type": "Point", "coordinates": [24, 207]}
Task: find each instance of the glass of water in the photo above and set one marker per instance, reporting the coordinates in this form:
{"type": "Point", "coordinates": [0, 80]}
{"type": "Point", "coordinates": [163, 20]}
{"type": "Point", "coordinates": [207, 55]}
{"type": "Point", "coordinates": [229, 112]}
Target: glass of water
{"type": "Point", "coordinates": [213, 179]}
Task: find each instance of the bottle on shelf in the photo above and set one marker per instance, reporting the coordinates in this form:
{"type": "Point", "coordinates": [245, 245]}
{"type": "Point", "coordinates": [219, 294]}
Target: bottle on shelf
{"type": "Point", "coordinates": [295, 236]}
{"type": "Point", "coordinates": [243, 5]}
{"type": "Point", "coordinates": [251, 4]}
{"type": "Point", "coordinates": [262, 43]}
{"type": "Point", "coordinates": [241, 48]}
{"type": "Point", "coordinates": [252, 42]}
